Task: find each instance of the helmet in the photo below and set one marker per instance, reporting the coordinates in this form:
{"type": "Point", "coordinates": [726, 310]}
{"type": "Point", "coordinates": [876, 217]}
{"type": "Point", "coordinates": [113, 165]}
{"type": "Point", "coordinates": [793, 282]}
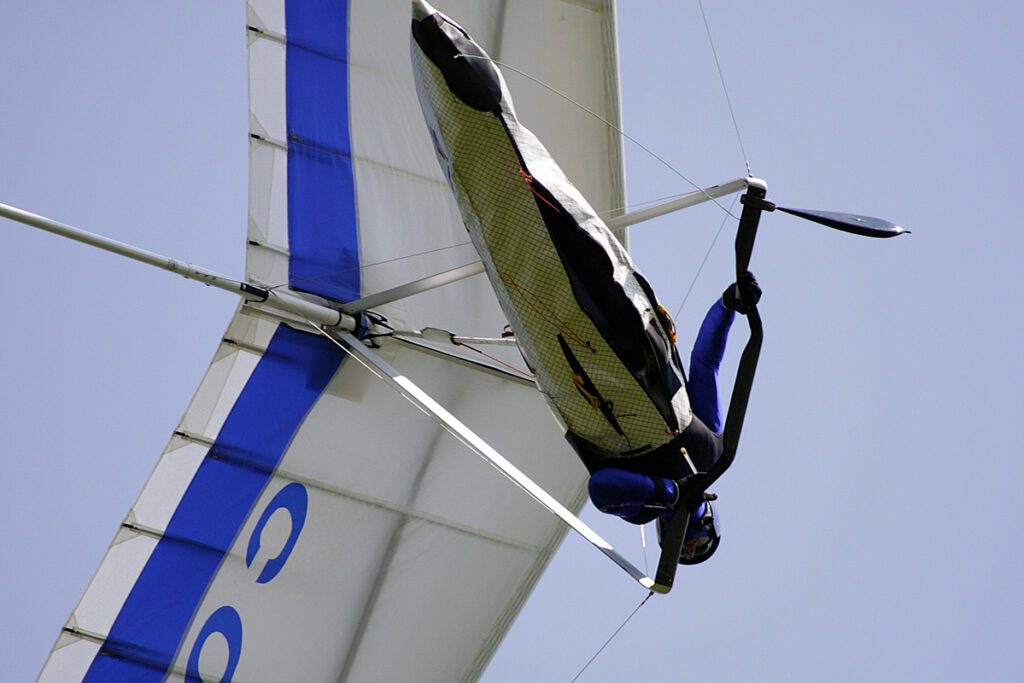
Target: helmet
{"type": "Point", "coordinates": [703, 533]}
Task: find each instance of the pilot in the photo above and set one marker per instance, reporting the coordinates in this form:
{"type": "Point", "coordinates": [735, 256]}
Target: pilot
{"type": "Point", "coordinates": [639, 497]}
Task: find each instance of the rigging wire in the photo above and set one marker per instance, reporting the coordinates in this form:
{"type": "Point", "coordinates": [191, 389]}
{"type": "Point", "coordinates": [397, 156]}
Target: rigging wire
{"type": "Point", "coordinates": [611, 637]}
{"type": "Point", "coordinates": [743, 151]}
{"type": "Point", "coordinates": [496, 360]}
{"type": "Point", "coordinates": [603, 120]}
{"type": "Point", "coordinates": [636, 206]}
{"type": "Point", "coordinates": [707, 255]}
{"type": "Point", "coordinates": [427, 252]}
{"type": "Point", "coordinates": [370, 265]}
{"type": "Point", "coordinates": [721, 77]}
{"type": "Point", "coordinates": [732, 113]}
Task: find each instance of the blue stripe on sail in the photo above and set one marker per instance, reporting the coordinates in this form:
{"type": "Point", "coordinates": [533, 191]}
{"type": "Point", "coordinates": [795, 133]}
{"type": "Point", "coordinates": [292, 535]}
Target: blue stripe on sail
{"type": "Point", "coordinates": [287, 381]}
{"type": "Point", "coordinates": [322, 235]}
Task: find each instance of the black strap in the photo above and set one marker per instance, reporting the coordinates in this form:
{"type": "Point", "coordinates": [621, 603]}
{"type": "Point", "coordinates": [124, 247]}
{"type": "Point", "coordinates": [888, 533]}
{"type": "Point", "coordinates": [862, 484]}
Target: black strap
{"type": "Point", "coordinates": [694, 487]}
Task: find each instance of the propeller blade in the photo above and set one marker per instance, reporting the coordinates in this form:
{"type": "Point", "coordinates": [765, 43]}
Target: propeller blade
{"type": "Point", "coordinates": [849, 222]}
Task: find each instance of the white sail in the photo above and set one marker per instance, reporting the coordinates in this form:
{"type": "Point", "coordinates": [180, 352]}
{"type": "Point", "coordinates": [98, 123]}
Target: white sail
{"type": "Point", "coordinates": [305, 523]}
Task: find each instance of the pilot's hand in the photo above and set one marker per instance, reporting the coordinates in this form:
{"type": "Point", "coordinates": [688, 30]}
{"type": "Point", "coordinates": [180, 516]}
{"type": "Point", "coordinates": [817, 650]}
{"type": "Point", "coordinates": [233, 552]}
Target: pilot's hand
{"type": "Point", "coordinates": [741, 296]}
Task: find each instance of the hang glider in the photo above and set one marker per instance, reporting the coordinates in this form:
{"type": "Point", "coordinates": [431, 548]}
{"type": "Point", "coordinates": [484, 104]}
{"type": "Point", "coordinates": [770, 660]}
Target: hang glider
{"type": "Point", "coordinates": [305, 522]}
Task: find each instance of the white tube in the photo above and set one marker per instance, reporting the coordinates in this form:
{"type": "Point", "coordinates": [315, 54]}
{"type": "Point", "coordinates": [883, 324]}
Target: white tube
{"type": "Point", "coordinates": [687, 200]}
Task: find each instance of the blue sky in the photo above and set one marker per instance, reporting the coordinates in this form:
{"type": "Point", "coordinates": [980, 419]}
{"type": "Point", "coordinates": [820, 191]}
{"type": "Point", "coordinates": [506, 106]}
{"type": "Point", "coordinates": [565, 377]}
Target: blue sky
{"type": "Point", "coordinates": [871, 518]}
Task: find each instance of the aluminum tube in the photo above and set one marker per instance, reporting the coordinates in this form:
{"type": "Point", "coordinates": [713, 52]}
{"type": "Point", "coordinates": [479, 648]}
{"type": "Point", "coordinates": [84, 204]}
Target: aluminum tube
{"type": "Point", "coordinates": [691, 199]}
{"type": "Point", "coordinates": [274, 298]}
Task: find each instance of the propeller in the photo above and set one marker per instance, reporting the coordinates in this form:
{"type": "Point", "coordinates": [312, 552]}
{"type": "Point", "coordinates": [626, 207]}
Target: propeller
{"type": "Point", "coordinates": [849, 222]}
{"type": "Point", "coordinates": [754, 203]}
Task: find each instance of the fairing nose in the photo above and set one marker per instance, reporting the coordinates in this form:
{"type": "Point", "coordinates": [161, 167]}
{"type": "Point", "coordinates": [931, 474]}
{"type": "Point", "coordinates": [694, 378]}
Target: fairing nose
{"type": "Point", "coordinates": [421, 10]}
{"type": "Point", "coordinates": [467, 70]}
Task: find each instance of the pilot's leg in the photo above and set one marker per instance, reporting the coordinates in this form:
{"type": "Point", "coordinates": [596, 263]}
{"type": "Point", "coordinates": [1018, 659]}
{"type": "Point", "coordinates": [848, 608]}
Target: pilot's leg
{"type": "Point", "coordinates": [636, 498]}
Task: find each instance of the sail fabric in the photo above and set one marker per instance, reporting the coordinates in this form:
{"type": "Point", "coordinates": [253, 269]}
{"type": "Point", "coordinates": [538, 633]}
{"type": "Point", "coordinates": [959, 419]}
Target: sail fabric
{"type": "Point", "coordinates": [322, 232]}
{"type": "Point", "coordinates": [305, 522]}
